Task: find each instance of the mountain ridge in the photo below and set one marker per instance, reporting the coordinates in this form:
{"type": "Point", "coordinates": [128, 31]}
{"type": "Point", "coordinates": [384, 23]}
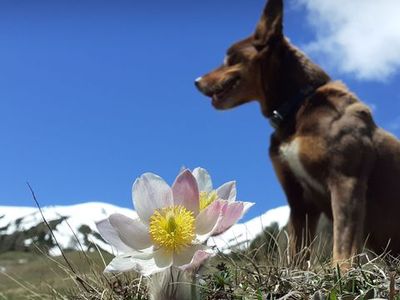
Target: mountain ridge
{"type": "Point", "coordinates": [22, 228]}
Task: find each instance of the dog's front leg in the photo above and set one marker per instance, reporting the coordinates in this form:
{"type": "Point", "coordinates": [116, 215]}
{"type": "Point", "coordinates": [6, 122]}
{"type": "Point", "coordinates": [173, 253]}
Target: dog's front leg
{"type": "Point", "coordinates": [304, 215]}
{"type": "Point", "coordinates": [348, 209]}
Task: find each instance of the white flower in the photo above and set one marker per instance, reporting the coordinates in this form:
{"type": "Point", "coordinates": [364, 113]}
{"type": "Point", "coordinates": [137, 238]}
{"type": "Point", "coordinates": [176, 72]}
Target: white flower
{"type": "Point", "coordinates": [170, 229]}
{"type": "Point", "coordinates": [232, 210]}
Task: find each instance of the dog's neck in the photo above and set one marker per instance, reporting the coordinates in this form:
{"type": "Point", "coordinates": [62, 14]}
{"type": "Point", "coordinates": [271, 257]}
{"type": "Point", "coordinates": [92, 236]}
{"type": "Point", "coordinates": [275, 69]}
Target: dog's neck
{"type": "Point", "coordinates": [285, 113]}
{"type": "Point", "coordinates": [289, 77]}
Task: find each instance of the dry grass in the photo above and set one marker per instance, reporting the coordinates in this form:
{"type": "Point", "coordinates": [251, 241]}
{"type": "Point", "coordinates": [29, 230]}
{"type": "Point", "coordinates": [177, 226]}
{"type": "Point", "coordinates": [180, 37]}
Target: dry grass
{"type": "Point", "coordinates": [243, 277]}
{"type": "Point", "coordinates": [239, 275]}
{"type": "Point", "coordinates": [38, 276]}
{"type": "Point", "coordinates": [264, 271]}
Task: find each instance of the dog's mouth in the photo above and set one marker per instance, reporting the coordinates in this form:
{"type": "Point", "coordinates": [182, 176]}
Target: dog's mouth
{"type": "Point", "coordinates": [222, 91]}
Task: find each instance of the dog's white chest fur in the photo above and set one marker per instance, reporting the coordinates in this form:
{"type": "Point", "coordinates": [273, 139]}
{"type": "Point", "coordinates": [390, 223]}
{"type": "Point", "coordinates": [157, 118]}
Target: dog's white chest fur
{"type": "Point", "coordinates": [289, 153]}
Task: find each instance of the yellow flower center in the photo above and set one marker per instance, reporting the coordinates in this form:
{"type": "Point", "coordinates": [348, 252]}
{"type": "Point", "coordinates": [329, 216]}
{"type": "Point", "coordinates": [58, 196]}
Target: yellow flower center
{"type": "Point", "coordinates": [172, 227]}
{"type": "Point", "coordinates": [207, 198]}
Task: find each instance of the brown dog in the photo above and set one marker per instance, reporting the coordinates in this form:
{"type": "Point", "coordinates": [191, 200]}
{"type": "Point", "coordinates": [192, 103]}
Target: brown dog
{"type": "Point", "coordinates": [327, 152]}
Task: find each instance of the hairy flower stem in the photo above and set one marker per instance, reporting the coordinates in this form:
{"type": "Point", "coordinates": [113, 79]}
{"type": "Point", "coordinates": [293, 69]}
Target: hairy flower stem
{"type": "Point", "coordinates": [173, 284]}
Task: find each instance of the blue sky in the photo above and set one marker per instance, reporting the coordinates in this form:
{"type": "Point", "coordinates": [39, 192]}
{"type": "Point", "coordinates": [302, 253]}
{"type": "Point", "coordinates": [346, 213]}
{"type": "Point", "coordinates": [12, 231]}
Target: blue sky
{"type": "Point", "coordinates": [94, 93]}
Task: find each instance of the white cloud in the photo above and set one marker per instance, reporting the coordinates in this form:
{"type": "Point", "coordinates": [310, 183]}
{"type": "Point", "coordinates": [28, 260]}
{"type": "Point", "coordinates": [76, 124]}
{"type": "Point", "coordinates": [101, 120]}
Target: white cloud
{"type": "Point", "coordinates": [361, 37]}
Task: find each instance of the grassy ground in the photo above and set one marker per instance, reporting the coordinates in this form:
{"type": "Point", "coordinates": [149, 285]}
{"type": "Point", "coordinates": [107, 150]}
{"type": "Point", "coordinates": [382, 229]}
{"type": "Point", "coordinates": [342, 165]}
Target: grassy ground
{"type": "Point", "coordinates": [35, 275]}
{"type": "Point", "coordinates": [242, 276]}
{"type": "Point", "coordinates": [264, 272]}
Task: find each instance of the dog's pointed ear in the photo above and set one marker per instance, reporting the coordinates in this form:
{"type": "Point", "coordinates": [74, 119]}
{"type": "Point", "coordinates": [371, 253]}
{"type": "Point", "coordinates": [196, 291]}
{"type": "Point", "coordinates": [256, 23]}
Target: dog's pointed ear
{"type": "Point", "coordinates": [270, 24]}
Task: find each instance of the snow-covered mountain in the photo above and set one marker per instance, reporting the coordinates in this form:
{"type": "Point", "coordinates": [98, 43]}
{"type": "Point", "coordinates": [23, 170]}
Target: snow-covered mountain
{"type": "Point", "coordinates": [24, 227]}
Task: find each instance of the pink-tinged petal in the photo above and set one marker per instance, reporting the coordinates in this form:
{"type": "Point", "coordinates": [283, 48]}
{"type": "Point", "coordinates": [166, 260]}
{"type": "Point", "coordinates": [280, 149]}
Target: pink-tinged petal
{"type": "Point", "coordinates": [132, 232]}
{"type": "Point", "coordinates": [198, 259]}
{"type": "Point", "coordinates": [143, 263]}
{"type": "Point", "coordinates": [203, 180]}
{"type": "Point", "coordinates": [191, 257]}
{"type": "Point", "coordinates": [227, 191]}
{"type": "Point", "coordinates": [186, 192]}
{"type": "Point", "coordinates": [208, 219]}
{"type": "Point", "coordinates": [231, 214]}
{"type": "Point", "coordinates": [150, 192]}
{"type": "Point", "coordinates": [110, 235]}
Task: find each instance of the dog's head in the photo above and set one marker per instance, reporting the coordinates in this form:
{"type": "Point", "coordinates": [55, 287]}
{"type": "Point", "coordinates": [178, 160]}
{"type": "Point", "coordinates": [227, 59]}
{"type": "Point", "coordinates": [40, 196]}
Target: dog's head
{"type": "Point", "coordinates": [241, 77]}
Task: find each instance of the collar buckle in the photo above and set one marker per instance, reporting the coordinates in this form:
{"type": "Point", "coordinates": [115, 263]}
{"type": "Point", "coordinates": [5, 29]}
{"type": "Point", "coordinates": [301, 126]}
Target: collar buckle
{"type": "Point", "coordinates": [288, 109]}
{"type": "Point", "coordinates": [276, 119]}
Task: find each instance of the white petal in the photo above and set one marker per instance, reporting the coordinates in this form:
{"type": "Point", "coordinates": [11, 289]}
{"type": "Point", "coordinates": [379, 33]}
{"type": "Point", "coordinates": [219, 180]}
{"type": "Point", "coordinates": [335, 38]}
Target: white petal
{"type": "Point", "coordinates": [128, 262]}
{"type": "Point", "coordinates": [143, 263]}
{"type": "Point", "coordinates": [186, 192]}
{"type": "Point", "coordinates": [185, 256]}
{"type": "Point", "coordinates": [189, 257]}
{"type": "Point", "coordinates": [208, 219]}
{"type": "Point", "coordinates": [132, 232]}
{"type": "Point", "coordinates": [120, 264]}
{"type": "Point", "coordinates": [247, 206]}
{"type": "Point", "coordinates": [110, 235]}
{"type": "Point", "coordinates": [161, 260]}
{"type": "Point", "coordinates": [150, 192]}
{"type": "Point", "coordinates": [227, 191]}
{"type": "Point", "coordinates": [203, 180]}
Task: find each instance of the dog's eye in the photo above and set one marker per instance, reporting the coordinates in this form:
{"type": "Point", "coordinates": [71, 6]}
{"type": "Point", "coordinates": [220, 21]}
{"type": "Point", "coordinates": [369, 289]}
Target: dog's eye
{"type": "Point", "coordinates": [231, 60]}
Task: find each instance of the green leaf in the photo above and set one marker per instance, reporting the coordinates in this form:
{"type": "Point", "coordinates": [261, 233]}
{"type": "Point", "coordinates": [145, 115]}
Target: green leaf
{"type": "Point", "coordinates": [259, 295]}
{"type": "Point", "coordinates": [333, 295]}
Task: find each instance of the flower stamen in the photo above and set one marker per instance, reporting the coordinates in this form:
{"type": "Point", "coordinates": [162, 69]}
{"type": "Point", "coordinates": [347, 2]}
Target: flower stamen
{"type": "Point", "coordinates": [172, 227]}
{"type": "Point", "coordinates": [206, 198]}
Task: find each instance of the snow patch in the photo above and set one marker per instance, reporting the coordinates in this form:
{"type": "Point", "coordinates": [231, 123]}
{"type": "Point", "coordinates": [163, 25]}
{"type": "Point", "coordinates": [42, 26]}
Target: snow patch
{"type": "Point", "coordinates": [24, 218]}
{"type": "Point", "coordinates": [87, 214]}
